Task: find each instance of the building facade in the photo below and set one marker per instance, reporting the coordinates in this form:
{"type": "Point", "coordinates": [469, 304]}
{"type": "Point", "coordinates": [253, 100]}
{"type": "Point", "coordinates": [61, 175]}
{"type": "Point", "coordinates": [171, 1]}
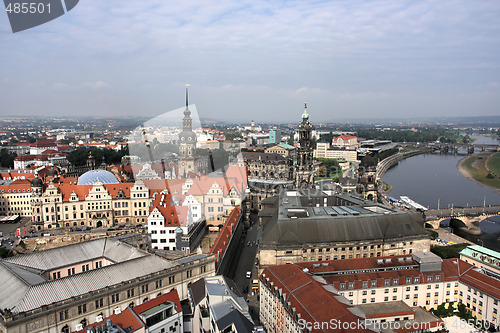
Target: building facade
{"type": "Point", "coordinates": [325, 150]}
{"type": "Point", "coordinates": [391, 288]}
{"type": "Point", "coordinates": [56, 290]}
{"type": "Point", "coordinates": [314, 226]}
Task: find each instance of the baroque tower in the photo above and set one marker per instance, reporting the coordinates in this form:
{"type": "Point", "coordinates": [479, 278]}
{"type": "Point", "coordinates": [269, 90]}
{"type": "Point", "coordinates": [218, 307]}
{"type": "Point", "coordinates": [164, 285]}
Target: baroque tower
{"type": "Point", "coordinates": [187, 139]}
{"type": "Point", "coordinates": [304, 166]}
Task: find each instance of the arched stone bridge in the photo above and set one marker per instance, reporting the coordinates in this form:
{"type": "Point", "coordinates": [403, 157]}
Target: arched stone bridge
{"type": "Point", "coordinates": [466, 223]}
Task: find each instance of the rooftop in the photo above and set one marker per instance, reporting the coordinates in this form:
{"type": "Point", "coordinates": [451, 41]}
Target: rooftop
{"type": "Point", "coordinates": [296, 217]}
{"type": "Point", "coordinates": [470, 250]}
{"type": "Point", "coordinates": [30, 289]}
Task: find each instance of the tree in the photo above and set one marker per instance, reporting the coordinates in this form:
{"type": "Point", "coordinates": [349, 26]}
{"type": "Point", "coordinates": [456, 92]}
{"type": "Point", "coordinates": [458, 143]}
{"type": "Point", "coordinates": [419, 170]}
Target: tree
{"type": "Point", "coordinates": [78, 157]}
{"type": "Point", "coordinates": [7, 158]}
{"type": "Point", "coordinates": [368, 161]}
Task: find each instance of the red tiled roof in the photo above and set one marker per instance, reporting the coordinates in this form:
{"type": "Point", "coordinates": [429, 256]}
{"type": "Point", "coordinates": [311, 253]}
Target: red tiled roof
{"type": "Point", "coordinates": [222, 241]}
{"type": "Point", "coordinates": [31, 158]}
{"type": "Point", "coordinates": [44, 143]}
{"type": "Point", "coordinates": [171, 296]}
{"type": "Point", "coordinates": [125, 319]}
{"type": "Point", "coordinates": [472, 276]}
{"type": "Point", "coordinates": [344, 137]}
{"type": "Point", "coordinates": [310, 299]}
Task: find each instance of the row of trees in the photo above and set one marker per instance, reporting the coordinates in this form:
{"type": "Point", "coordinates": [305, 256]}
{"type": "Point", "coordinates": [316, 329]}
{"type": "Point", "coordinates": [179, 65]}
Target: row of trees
{"type": "Point", "coordinates": [80, 156]}
{"type": "Point", "coordinates": [7, 158]}
{"type": "Point", "coordinates": [422, 135]}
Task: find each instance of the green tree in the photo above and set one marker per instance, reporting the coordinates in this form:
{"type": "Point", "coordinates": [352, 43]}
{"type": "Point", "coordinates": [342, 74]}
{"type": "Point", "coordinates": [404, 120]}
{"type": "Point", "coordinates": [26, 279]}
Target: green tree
{"type": "Point", "coordinates": [7, 158]}
{"type": "Point", "coordinates": [78, 157]}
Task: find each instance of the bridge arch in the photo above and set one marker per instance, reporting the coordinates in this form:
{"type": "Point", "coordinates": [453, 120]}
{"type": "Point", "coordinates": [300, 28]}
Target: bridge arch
{"type": "Point", "coordinates": [457, 223]}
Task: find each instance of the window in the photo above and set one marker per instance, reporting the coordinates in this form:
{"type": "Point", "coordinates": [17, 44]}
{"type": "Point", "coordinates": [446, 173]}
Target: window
{"type": "Point", "coordinates": [386, 299]}
{"type": "Point", "coordinates": [372, 300]}
{"type": "Point", "coordinates": [63, 315]}
{"type": "Point", "coordinates": [374, 283]}
{"type": "Point", "coordinates": [98, 303]}
{"type": "Point", "coordinates": [387, 282]}
{"type": "Point", "coordinates": [365, 284]}
{"type": "Point", "coordinates": [386, 291]}
{"type": "Point", "coordinates": [373, 292]}
{"type": "Point", "coordinates": [130, 293]}
{"type": "Point", "coordinates": [115, 298]}
{"type": "Point", "coordinates": [82, 308]}
{"type": "Point", "coordinates": [365, 292]}
{"type": "Point", "coordinates": [158, 284]}
{"type": "Point", "coordinates": [145, 288]}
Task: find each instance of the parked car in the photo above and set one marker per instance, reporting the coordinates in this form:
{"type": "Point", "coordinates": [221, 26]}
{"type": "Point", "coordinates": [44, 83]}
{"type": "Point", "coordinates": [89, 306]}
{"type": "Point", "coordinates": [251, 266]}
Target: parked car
{"type": "Point", "coordinates": [248, 275]}
{"type": "Point", "coordinates": [245, 289]}
{"type": "Point", "coordinates": [78, 229]}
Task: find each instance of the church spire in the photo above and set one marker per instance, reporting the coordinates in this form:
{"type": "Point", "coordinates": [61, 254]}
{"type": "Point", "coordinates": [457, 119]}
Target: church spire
{"type": "Point", "coordinates": [187, 103]}
{"type": "Point", "coordinates": [305, 115]}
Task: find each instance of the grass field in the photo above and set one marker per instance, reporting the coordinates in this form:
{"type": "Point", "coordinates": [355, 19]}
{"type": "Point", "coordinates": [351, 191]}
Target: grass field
{"type": "Point", "coordinates": [494, 164]}
{"type": "Point", "coordinates": [484, 168]}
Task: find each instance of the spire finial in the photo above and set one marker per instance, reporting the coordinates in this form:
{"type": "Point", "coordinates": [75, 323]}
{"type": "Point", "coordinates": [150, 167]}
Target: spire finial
{"type": "Point", "coordinates": [305, 115]}
{"type": "Point", "coordinates": [187, 85]}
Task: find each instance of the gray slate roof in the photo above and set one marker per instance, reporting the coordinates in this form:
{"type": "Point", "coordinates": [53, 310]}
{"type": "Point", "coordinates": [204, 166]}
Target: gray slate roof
{"type": "Point", "coordinates": [29, 290]}
{"type": "Point", "coordinates": [75, 253]}
{"type": "Point", "coordinates": [342, 229]}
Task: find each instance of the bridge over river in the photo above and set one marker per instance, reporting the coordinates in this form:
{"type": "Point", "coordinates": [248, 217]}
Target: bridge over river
{"type": "Point", "coordinates": [463, 218]}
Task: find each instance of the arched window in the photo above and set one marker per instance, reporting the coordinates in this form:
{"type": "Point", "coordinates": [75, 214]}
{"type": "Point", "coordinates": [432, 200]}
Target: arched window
{"type": "Point", "coordinates": [145, 300]}
{"type": "Point", "coordinates": [65, 329]}
{"type": "Point", "coordinates": [131, 305]}
{"type": "Point", "coordinates": [83, 322]}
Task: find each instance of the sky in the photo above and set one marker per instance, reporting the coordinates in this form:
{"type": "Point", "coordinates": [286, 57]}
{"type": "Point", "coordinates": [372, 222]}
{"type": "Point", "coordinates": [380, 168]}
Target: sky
{"type": "Point", "coordinates": [257, 60]}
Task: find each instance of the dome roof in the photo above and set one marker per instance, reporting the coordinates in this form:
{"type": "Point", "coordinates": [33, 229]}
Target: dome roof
{"type": "Point", "coordinates": [36, 182]}
{"type": "Point", "coordinates": [90, 177]}
{"type": "Point", "coordinates": [52, 172]}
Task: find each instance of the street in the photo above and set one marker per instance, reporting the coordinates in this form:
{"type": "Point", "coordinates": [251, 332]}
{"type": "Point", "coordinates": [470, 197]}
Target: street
{"type": "Point", "coordinates": [244, 261]}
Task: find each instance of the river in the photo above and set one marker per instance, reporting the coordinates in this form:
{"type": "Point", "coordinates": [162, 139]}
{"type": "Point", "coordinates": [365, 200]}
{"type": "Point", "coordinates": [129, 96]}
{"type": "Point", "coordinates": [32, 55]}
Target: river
{"type": "Point", "coordinates": [432, 179]}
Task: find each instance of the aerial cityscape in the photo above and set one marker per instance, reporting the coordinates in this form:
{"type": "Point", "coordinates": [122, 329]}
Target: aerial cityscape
{"type": "Point", "coordinates": [250, 167]}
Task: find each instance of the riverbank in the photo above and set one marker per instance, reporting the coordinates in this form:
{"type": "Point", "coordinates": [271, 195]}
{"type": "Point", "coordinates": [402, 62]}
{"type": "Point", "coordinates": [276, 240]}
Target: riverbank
{"type": "Point", "coordinates": [482, 168]}
{"type": "Point", "coordinates": [384, 165]}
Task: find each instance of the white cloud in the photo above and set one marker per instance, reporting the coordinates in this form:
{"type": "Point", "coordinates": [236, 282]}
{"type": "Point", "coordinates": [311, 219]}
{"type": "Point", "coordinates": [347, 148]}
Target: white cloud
{"type": "Point", "coordinates": [361, 53]}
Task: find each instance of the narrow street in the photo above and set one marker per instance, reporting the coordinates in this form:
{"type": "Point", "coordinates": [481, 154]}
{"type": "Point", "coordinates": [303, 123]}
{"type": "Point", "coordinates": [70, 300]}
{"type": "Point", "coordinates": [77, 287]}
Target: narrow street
{"type": "Point", "coordinates": [244, 261]}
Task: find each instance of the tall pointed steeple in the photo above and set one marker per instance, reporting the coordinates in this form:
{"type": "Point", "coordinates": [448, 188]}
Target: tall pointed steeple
{"type": "Point", "coordinates": [187, 112]}
{"type": "Point", "coordinates": [305, 115]}
{"type": "Point", "coordinates": [187, 139]}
